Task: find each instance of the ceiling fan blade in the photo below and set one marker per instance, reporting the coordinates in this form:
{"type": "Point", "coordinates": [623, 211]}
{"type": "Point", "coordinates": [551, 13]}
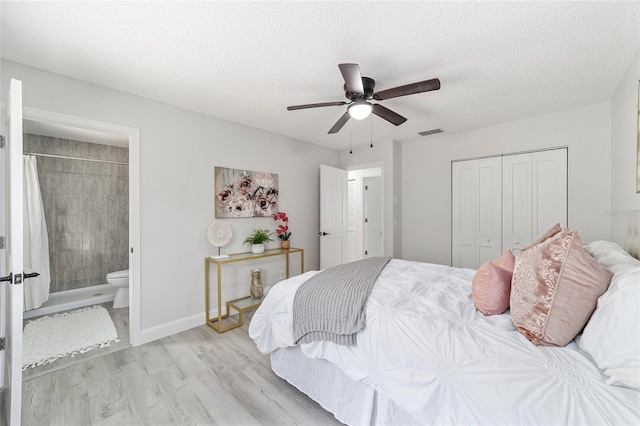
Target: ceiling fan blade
{"type": "Point", "coordinates": [352, 77]}
{"type": "Point", "coordinates": [340, 123]}
{"type": "Point", "coordinates": [387, 114]}
{"type": "Point", "coordinates": [323, 104]}
{"type": "Point", "coordinates": [409, 89]}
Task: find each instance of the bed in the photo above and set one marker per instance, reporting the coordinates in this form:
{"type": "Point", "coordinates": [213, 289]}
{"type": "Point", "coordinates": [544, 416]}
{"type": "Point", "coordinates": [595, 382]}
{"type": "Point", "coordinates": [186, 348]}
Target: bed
{"type": "Point", "coordinates": [428, 356]}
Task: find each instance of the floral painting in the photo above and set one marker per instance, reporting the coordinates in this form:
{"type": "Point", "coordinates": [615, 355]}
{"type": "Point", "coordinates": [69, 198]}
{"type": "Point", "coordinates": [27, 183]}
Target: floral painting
{"type": "Point", "coordinates": [243, 193]}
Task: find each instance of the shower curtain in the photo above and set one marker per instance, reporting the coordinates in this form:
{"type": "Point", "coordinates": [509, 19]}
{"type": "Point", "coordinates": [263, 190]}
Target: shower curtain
{"type": "Point", "coordinates": [36, 239]}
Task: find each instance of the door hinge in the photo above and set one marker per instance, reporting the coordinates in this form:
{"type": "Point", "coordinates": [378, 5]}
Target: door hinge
{"type": "Point", "coordinates": [1, 141]}
{"type": "Point", "coordinates": [366, 187]}
{"type": "Point", "coordinates": [366, 252]}
{"type": "Point", "coordinates": [1, 242]}
{"type": "Point", "coordinates": [366, 220]}
{"type": "Point", "coordinates": [1, 343]}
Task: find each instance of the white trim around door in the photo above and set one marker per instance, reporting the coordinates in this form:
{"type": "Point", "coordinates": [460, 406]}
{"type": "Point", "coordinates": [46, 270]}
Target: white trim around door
{"type": "Point", "coordinates": [133, 135]}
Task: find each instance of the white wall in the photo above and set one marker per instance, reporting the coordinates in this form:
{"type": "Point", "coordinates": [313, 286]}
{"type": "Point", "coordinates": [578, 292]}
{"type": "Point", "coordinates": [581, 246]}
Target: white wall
{"type": "Point", "coordinates": [179, 150]}
{"type": "Point", "coordinates": [382, 152]}
{"type": "Point", "coordinates": [397, 200]}
{"type": "Point", "coordinates": [625, 202]}
{"type": "Point", "coordinates": [426, 174]}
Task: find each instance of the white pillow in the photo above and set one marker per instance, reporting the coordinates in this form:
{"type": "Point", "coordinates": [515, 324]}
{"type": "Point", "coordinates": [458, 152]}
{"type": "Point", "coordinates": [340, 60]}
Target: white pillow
{"type": "Point", "coordinates": [612, 335]}
{"type": "Point", "coordinates": [610, 255]}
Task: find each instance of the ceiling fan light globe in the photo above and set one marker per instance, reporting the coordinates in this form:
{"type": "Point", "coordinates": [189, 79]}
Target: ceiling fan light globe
{"type": "Point", "coordinates": [360, 110]}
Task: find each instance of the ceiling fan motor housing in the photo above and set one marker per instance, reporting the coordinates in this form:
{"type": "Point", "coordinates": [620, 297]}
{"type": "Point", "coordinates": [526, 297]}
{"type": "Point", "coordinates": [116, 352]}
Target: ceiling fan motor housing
{"type": "Point", "coordinates": [369, 85]}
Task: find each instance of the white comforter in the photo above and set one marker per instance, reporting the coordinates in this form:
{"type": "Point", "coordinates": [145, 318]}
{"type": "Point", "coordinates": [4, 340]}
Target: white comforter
{"type": "Point", "coordinates": [427, 348]}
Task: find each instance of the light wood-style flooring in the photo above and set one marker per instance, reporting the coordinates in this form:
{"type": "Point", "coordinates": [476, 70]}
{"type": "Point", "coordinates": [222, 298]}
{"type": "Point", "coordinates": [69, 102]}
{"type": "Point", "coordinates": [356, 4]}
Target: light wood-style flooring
{"type": "Point", "coordinates": [194, 377]}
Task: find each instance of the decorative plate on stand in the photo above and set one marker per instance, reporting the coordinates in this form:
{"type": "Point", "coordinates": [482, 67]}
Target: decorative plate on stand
{"type": "Point", "coordinates": [219, 234]}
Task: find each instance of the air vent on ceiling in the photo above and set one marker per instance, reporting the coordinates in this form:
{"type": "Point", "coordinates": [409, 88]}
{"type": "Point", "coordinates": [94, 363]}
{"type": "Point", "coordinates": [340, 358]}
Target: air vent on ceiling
{"type": "Point", "coordinates": [430, 132]}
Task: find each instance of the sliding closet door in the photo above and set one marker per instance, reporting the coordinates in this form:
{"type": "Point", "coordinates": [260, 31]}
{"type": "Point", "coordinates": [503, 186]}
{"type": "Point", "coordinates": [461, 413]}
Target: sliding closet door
{"type": "Point", "coordinates": [489, 220]}
{"type": "Point", "coordinates": [476, 213]}
{"type": "Point", "coordinates": [463, 211]}
{"type": "Point", "coordinates": [516, 202]}
{"type": "Point", "coordinates": [534, 196]}
{"type": "Point", "coordinates": [549, 179]}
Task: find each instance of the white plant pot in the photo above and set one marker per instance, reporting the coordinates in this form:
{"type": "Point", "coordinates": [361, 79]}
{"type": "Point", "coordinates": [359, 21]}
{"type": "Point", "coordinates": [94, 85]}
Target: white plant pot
{"type": "Point", "coordinates": [257, 248]}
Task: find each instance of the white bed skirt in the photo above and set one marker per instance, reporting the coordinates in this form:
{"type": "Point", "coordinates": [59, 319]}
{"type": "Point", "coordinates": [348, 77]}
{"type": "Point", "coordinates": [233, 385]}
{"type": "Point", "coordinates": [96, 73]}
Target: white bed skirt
{"type": "Point", "coordinates": [352, 403]}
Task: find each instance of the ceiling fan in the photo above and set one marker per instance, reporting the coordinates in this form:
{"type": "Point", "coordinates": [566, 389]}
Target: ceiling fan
{"type": "Point", "coordinates": [359, 91]}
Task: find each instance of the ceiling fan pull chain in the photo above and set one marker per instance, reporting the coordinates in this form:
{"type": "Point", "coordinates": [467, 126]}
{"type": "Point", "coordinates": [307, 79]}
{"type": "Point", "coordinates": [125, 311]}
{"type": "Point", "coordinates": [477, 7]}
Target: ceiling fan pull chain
{"type": "Point", "coordinates": [371, 133]}
{"type": "Point", "coordinates": [350, 137]}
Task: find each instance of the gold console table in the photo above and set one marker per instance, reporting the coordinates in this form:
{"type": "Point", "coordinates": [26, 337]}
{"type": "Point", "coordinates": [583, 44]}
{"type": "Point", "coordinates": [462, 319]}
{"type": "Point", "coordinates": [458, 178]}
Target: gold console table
{"type": "Point", "coordinates": [244, 303]}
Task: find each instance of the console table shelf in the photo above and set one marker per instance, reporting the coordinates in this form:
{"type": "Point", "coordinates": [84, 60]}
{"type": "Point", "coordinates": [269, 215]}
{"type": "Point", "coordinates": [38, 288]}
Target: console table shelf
{"type": "Point", "coordinates": [244, 303]}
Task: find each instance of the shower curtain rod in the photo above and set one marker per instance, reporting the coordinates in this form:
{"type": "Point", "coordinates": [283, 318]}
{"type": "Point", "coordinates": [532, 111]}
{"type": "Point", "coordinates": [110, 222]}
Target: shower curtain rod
{"type": "Point", "coordinates": [75, 158]}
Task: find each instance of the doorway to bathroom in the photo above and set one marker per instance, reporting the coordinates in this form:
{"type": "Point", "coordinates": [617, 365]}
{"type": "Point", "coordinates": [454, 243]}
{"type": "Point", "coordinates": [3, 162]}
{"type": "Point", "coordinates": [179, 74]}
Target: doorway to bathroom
{"type": "Point", "coordinates": [88, 173]}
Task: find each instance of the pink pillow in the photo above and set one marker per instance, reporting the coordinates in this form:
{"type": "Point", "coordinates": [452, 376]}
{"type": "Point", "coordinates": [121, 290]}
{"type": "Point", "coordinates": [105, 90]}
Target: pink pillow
{"type": "Point", "coordinates": [550, 233]}
{"type": "Point", "coordinates": [506, 261]}
{"type": "Point", "coordinates": [556, 285]}
{"type": "Point", "coordinates": [490, 289]}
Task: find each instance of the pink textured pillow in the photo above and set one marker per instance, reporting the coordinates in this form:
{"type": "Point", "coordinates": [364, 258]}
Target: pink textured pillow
{"type": "Point", "coordinates": [490, 289]}
{"type": "Point", "coordinates": [550, 233]}
{"type": "Point", "coordinates": [555, 288]}
{"type": "Point", "coordinates": [506, 261]}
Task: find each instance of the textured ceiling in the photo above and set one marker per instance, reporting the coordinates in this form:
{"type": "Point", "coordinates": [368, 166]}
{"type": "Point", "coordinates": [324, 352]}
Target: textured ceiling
{"type": "Point", "coordinates": [247, 61]}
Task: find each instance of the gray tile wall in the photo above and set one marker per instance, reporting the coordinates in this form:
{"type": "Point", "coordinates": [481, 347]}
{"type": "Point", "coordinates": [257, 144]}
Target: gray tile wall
{"type": "Point", "coordinates": [86, 206]}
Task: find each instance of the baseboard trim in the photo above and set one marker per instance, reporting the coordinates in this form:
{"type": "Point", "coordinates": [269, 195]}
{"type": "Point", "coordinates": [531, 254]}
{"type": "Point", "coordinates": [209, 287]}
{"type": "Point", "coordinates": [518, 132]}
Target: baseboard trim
{"type": "Point", "coordinates": [183, 324]}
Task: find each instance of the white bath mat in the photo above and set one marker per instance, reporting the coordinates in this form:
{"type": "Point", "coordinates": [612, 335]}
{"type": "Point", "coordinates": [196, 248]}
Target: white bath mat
{"type": "Point", "coordinates": [49, 338]}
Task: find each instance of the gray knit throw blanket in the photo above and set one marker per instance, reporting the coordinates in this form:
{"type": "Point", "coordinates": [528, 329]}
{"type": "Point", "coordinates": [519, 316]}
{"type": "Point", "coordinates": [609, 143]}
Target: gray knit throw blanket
{"type": "Point", "coordinates": [330, 305]}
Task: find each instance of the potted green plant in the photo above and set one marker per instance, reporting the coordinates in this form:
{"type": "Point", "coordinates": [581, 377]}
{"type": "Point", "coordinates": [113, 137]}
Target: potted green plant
{"type": "Point", "coordinates": [257, 240]}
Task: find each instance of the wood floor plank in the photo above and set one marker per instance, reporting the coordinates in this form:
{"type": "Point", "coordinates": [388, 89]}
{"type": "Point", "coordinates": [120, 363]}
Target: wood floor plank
{"type": "Point", "coordinates": [37, 399]}
{"type": "Point", "coordinates": [223, 407]}
{"type": "Point", "coordinates": [70, 393]}
{"type": "Point", "coordinates": [107, 394]}
{"type": "Point", "coordinates": [125, 417]}
{"type": "Point", "coordinates": [183, 356]}
{"type": "Point", "coordinates": [144, 396]}
{"type": "Point", "coordinates": [186, 404]}
{"type": "Point", "coordinates": [155, 357]}
{"type": "Point", "coordinates": [289, 398]}
{"type": "Point", "coordinates": [257, 403]}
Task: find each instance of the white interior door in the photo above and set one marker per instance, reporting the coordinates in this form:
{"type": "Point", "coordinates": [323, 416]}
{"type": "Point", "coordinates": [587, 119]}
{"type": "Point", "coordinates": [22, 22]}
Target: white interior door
{"type": "Point", "coordinates": [333, 216]}
{"type": "Point", "coordinates": [12, 292]}
{"type": "Point", "coordinates": [373, 243]}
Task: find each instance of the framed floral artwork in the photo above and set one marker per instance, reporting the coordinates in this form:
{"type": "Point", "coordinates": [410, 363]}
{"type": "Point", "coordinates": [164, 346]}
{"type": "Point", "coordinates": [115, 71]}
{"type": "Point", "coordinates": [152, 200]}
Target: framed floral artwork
{"type": "Point", "coordinates": [243, 193]}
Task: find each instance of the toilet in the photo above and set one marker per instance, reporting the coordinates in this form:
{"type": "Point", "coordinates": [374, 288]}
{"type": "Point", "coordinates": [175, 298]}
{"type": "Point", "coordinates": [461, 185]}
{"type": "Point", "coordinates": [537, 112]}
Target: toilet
{"type": "Point", "coordinates": [120, 279]}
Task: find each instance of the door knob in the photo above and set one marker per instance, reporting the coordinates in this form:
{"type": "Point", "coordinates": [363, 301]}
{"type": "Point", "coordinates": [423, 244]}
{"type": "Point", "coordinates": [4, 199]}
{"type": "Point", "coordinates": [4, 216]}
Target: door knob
{"type": "Point", "coordinates": [323, 233]}
{"type": "Point", "coordinates": [8, 278]}
{"type": "Point", "coordinates": [31, 275]}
